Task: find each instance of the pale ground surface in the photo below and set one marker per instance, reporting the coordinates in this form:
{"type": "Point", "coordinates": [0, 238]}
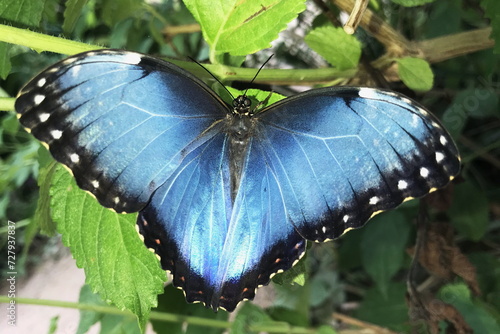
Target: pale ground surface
{"type": "Point", "coordinates": [61, 280]}
{"type": "Point", "coordinates": [53, 280]}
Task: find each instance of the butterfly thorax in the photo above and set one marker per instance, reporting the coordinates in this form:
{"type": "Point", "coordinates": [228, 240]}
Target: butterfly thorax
{"type": "Point", "coordinates": [239, 129]}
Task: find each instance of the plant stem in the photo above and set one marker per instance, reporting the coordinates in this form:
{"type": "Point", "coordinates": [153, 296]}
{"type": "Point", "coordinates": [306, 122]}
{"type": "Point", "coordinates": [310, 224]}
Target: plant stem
{"type": "Point", "coordinates": [7, 103]}
{"type": "Point", "coordinates": [42, 42]}
{"type": "Point", "coordinates": [450, 46]}
{"type": "Point", "coordinates": [167, 317]}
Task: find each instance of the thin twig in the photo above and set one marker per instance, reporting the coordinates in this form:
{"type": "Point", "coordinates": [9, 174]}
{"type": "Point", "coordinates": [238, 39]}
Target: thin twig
{"type": "Point", "coordinates": [171, 31]}
{"type": "Point", "coordinates": [358, 323]}
{"type": "Point", "coordinates": [355, 17]}
{"type": "Point", "coordinates": [451, 46]}
{"type": "Point", "coordinates": [395, 43]}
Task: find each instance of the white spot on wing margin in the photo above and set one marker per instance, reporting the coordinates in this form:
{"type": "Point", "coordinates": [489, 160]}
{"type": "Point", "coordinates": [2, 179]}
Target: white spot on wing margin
{"type": "Point", "coordinates": [56, 134]}
{"type": "Point", "coordinates": [43, 117]}
{"type": "Point", "coordinates": [75, 158]}
{"type": "Point", "coordinates": [439, 156]}
{"type": "Point", "coordinates": [41, 82]}
{"type": "Point", "coordinates": [402, 184]}
{"type": "Point", "coordinates": [132, 58]}
{"type": "Point", "coordinates": [38, 99]}
{"type": "Point", "coordinates": [367, 93]}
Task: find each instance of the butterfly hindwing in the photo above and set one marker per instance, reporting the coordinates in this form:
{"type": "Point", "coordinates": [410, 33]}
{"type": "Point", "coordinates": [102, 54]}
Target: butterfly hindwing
{"type": "Point", "coordinates": [344, 154]}
{"type": "Point", "coordinates": [121, 121]}
{"type": "Point", "coordinates": [218, 251]}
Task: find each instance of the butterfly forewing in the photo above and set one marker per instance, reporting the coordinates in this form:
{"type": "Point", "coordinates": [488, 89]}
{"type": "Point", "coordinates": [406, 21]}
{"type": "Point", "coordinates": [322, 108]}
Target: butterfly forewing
{"type": "Point", "coordinates": [121, 121]}
{"type": "Point", "coordinates": [343, 154]}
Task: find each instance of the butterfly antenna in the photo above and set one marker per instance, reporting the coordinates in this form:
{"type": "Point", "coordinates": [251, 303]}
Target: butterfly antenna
{"type": "Point", "coordinates": [256, 74]}
{"type": "Point", "coordinates": [213, 76]}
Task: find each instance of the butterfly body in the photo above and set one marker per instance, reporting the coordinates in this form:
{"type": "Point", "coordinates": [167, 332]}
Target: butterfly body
{"type": "Point", "coordinates": [227, 196]}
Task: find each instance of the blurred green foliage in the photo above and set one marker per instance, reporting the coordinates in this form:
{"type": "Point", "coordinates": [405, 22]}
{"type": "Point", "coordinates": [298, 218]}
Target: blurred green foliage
{"type": "Point", "coordinates": [364, 273]}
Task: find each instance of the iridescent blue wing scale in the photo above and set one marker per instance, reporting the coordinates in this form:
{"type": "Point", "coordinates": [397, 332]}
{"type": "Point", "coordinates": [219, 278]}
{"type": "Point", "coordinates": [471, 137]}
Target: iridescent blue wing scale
{"type": "Point", "coordinates": [121, 121]}
{"type": "Point", "coordinates": [342, 155]}
{"type": "Point", "coordinates": [224, 251]}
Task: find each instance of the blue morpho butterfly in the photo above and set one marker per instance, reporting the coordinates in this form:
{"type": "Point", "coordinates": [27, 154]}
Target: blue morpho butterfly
{"type": "Point", "coordinates": [227, 195]}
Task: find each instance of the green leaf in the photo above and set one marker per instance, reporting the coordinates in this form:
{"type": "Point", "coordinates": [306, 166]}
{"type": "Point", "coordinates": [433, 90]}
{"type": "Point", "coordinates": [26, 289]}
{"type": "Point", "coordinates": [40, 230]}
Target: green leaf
{"type": "Point", "coordinates": [324, 285]}
{"type": "Point", "coordinates": [383, 247]}
{"type": "Point", "coordinates": [19, 12]}
{"type": "Point", "coordinates": [294, 297]}
{"type": "Point", "coordinates": [23, 12]}
{"type": "Point", "coordinates": [53, 325]}
{"type": "Point", "coordinates": [469, 211]}
{"type": "Point", "coordinates": [444, 18]}
{"type": "Point", "coordinates": [42, 213]}
{"type": "Point", "coordinates": [114, 11]}
{"type": "Point", "coordinates": [173, 301]}
{"type": "Point", "coordinates": [476, 102]}
{"type": "Point", "coordinates": [492, 11]}
{"type": "Point", "coordinates": [107, 246]}
{"type": "Point", "coordinates": [117, 324]}
{"type": "Point", "coordinates": [388, 310]}
{"type": "Point", "coordinates": [71, 14]}
{"type": "Point", "coordinates": [44, 156]}
{"type": "Point", "coordinates": [326, 330]}
{"type": "Point", "coordinates": [295, 275]}
{"type": "Point", "coordinates": [88, 318]}
{"type": "Point", "coordinates": [10, 124]}
{"type": "Point", "coordinates": [485, 64]}
{"type": "Point", "coordinates": [249, 315]}
{"type": "Point", "coordinates": [242, 27]}
{"type": "Point", "coordinates": [473, 102]}
{"type": "Point", "coordinates": [350, 250]}
{"type": "Point", "coordinates": [454, 119]}
{"type": "Point", "coordinates": [229, 60]}
{"type": "Point", "coordinates": [340, 49]}
{"type": "Point", "coordinates": [412, 3]}
{"type": "Point", "coordinates": [415, 73]}
{"type": "Point", "coordinates": [488, 272]}
{"type": "Point", "coordinates": [5, 64]}
{"type": "Point", "coordinates": [290, 316]}
{"type": "Point", "coordinates": [475, 313]}
{"type": "Point", "coordinates": [30, 232]}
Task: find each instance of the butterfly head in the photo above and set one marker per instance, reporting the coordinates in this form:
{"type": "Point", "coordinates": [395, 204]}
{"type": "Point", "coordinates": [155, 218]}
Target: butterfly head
{"type": "Point", "coordinates": [241, 106]}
